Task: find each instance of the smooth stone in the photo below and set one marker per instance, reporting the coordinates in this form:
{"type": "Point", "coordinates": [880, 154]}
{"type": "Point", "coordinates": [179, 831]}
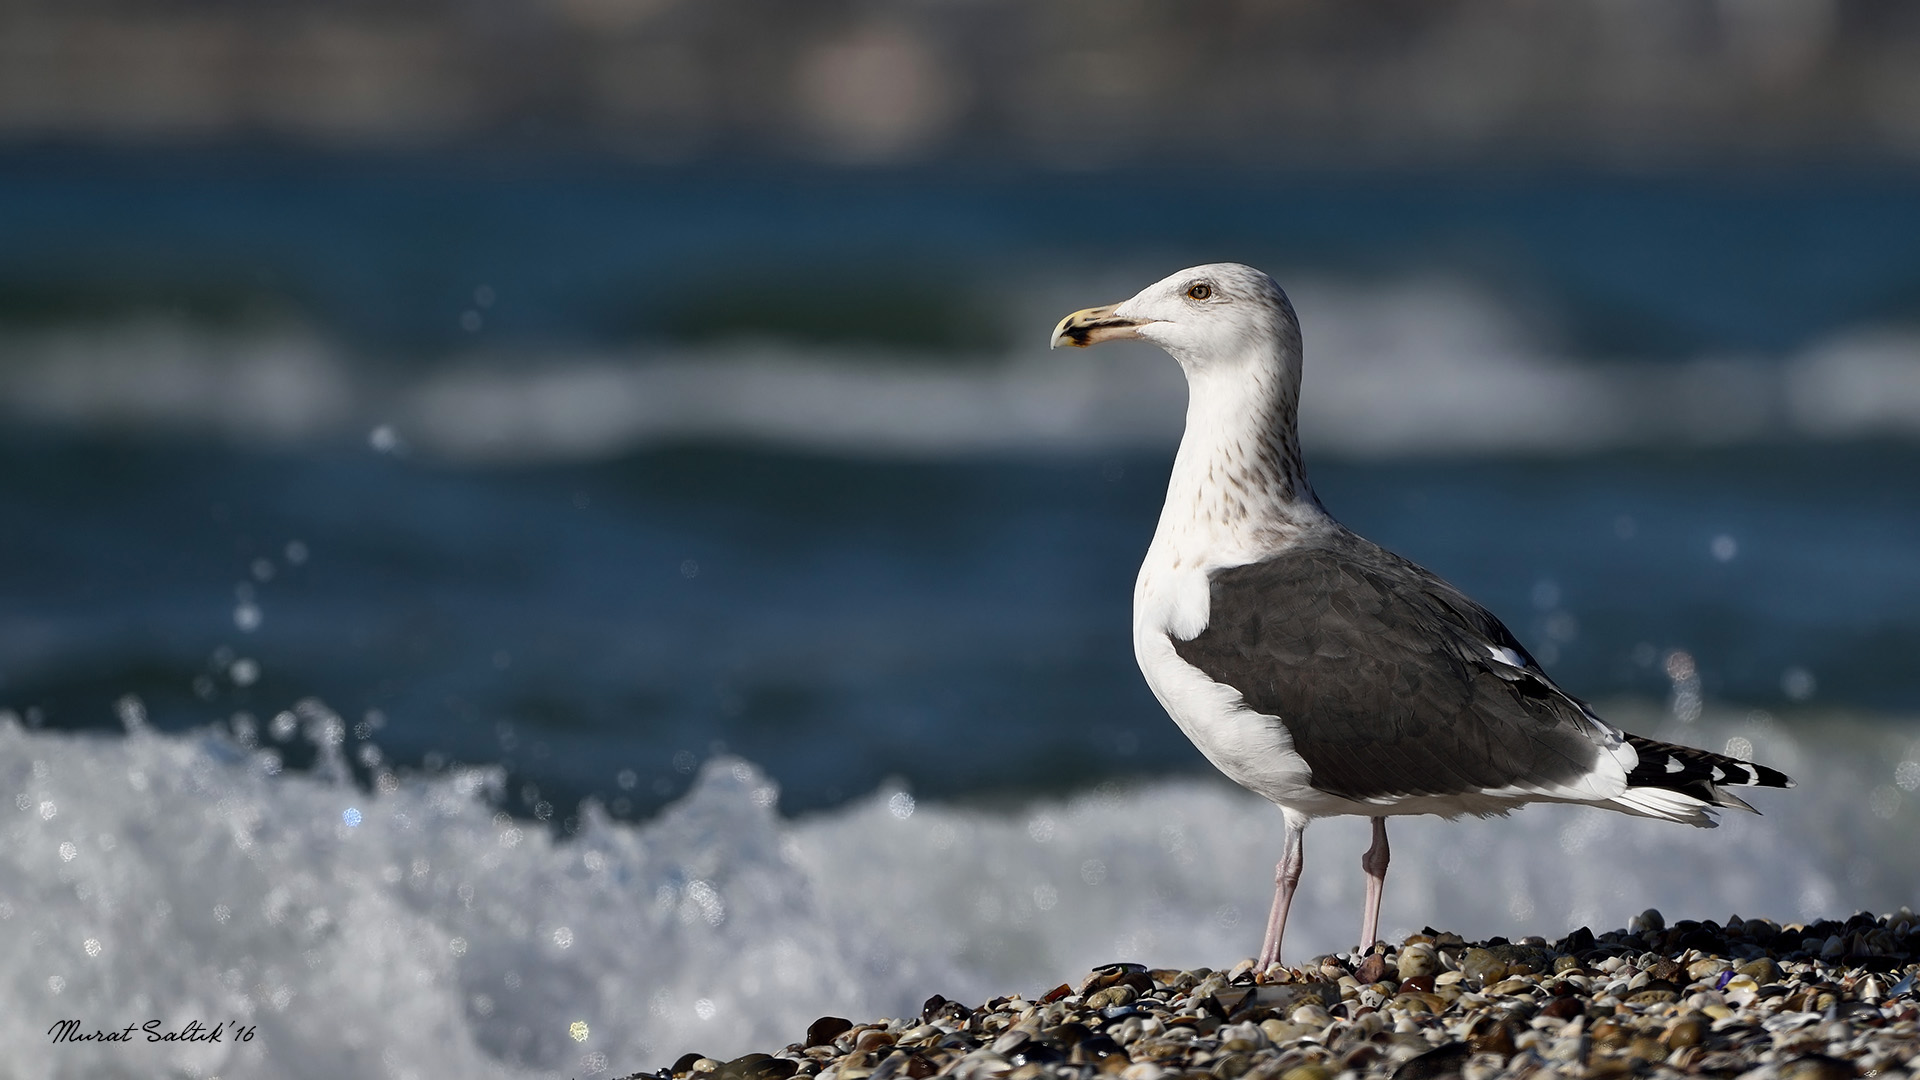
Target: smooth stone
{"type": "Point", "coordinates": [1704, 970]}
{"type": "Point", "coordinates": [1480, 966]}
{"type": "Point", "coordinates": [826, 1029]}
{"type": "Point", "coordinates": [1419, 959]}
{"type": "Point", "coordinates": [1761, 971]}
{"type": "Point", "coordinates": [1314, 1015]}
{"type": "Point", "coordinates": [1686, 1031]}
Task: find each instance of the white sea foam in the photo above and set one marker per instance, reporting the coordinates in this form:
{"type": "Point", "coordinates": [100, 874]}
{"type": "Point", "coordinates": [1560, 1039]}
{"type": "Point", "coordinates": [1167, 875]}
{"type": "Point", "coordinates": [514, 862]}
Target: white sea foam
{"type": "Point", "coordinates": [419, 933]}
{"type": "Point", "coordinates": [1426, 365]}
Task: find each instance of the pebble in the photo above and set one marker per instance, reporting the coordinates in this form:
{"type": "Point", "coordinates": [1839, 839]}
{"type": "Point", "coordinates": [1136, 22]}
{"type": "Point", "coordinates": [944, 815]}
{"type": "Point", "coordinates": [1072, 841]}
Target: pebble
{"type": "Point", "coordinates": [1753, 999]}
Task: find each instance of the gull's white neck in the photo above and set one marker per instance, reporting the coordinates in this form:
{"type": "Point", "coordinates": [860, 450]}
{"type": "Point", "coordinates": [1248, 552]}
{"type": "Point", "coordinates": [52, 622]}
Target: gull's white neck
{"type": "Point", "coordinates": [1239, 492]}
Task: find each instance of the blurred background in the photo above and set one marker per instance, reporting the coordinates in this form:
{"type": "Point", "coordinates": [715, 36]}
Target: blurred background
{"type": "Point", "coordinates": [518, 472]}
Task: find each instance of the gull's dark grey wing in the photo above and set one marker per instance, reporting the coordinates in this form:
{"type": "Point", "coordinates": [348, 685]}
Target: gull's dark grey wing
{"type": "Point", "coordinates": [1390, 681]}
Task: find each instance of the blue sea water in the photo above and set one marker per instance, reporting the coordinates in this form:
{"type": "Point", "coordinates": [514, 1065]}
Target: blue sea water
{"type": "Point", "coordinates": [443, 601]}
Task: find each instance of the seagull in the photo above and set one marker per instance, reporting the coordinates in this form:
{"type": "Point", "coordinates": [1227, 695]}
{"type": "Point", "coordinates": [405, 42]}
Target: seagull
{"type": "Point", "coordinates": [1316, 668]}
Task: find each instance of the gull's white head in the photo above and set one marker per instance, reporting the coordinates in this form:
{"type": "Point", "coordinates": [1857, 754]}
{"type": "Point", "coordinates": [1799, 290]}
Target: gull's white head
{"type": "Point", "coordinates": [1221, 313]}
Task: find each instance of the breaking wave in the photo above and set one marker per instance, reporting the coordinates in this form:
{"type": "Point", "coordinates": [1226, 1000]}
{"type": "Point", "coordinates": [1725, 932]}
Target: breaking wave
{"type": "Point", "coordinates": [412, 929]}
{"type": "Point", "coordinates": [1417, 366]}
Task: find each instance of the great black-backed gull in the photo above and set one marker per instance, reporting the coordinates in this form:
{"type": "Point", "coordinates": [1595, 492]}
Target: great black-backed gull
{"type": "Point", "coordinates": [1316, 668]}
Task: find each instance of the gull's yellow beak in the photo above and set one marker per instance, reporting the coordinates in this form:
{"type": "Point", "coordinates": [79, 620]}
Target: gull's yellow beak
{"type": "Point", "coordinates": [1093, 326]}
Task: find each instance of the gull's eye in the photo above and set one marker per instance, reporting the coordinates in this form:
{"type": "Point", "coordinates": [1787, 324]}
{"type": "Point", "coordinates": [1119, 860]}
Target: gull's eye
{"type": "Point", "coordinates": [1202, 291]}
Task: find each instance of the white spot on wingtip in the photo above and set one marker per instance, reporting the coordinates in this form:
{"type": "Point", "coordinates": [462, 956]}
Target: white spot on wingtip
{"type": "Point", "coordinates": [1674, 766]}
{"type": "Point", "coordinates": [1507, 656]}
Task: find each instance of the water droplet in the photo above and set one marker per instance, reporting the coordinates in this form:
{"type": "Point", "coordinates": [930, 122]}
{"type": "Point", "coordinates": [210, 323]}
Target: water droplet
{"type": "Point", "coordinates": [68, 852]}
{"type": "Point", "coordinates": [1907, 775]}
{"type": "Point", "coordinates": [244, 672]}
{"type": "Point", "coordinates": [483, 296]}
{"type": "Point", "coordinates": [1546, 594]}
{"type": "Point", "coordinates": [1797, 683]}
{"type": "Point", "coordinates": [296, 552]}
{"type": "Point", "coordinates": [470, 321]}
{"type": "Point", "coordinates": [1680, 665]}
{"type": "Point", "coordinates": [1885, 802]}
{"type": "Point", "coordinates": [56, 984]}
{"type": "Point", "coordinates": [93, 947]}
{"type": "Point", "coordinates": [132, 713]}
{"type": "Point", "coordinates": [626, 778]}
{"type": "Point", "coordinates": [689, 569]}
{"type": "Point", "coordinates": [246, 616]}
{"type": "Point", "coordinates": [351, 815]}
{"type": "Point", "coordinates": [900, 805]}
{"type": "Point", "coordinates": [384, 439]}
{"type": "Point", "coordinates": [221, 913]}
{"type": "Point", "coordinates": [458, 946]}
{"type": "Point", "coordinates": [1724, 548]}
{"type": "Point", "coordinates": [704, 1008]}
{"type": "Point", "coordinates": [578, 1029]}
{"type": "Point", "coordinates": [1045, 897]}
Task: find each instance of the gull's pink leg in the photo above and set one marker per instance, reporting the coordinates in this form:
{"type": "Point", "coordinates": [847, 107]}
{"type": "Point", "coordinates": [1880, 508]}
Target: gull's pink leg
{"type": "Point", "coordinates": [1374, 862]}
{"type": "Point", "coordinates": [1285, 876]}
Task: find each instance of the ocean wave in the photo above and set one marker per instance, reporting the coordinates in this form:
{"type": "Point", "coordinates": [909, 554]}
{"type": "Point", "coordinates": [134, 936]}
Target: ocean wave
{"type": "Point", "coordinates": [413, 930]}
{"type": "Point", "coordinates": [1408, 368]}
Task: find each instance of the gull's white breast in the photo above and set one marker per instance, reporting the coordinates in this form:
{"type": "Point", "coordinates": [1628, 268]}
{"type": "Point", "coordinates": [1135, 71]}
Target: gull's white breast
{"type": "Point", "coordinates": [1171, 597]}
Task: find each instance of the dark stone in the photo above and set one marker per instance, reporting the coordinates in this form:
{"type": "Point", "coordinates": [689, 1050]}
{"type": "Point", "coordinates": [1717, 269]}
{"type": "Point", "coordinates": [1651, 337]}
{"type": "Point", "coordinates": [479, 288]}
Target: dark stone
{"type": "Point", "coordinates": [1035, 1053]}
{"type": "Point", "coordinates": [1493, 1034]}
{"type": "Point", "coordinates": [1440, 1063]}
{"type": "Point", "coordinates": [1066, 1034]}
{"type": "Point", "coordinates": [1371, 970]}
{"type": "Point", "coordinates": [1817, 1067]}
{"type": "Point", "coordinates": [685, 1062]}
{"type": "Point", "coordinates": [757, 1067]}
{"type": "Point", "coordinates": [891, 1067]}
{"type": "Point", "coordinates": [1563, 1008]}
{"type": "Point", "coordinates": [823, 1031]}
{"type": "Point", "coordinates": [932, 1007]}
{"type": "Point", "coordinates": [1096, 1048]}
{"type": "Point", "coordinates": [1579, 941]}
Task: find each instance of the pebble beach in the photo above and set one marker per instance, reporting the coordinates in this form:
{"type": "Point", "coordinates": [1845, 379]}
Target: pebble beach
{"type": "Point", "coordinates": [1748, 998]}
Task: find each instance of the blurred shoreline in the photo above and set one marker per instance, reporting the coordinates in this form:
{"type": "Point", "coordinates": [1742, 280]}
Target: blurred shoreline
{"type": "Point", "coordinates": [1084, 85]}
